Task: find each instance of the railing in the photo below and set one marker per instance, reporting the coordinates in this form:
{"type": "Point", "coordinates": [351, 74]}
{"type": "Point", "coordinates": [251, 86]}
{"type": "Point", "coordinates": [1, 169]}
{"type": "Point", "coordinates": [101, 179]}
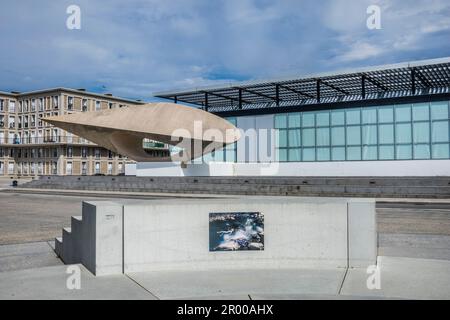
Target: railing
{"type": "Point", "coordinates": [45, 140]}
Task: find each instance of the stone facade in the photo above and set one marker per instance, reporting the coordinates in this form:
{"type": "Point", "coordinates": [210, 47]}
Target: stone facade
{"type": "Point", "coordinates": [30, 146]}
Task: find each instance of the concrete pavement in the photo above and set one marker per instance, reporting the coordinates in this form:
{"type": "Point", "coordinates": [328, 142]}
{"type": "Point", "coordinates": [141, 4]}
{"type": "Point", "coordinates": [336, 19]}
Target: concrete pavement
{"type": "Point", "coordinates": [414, 242]}
{"type": "Point", "coordinates": [401, 278]}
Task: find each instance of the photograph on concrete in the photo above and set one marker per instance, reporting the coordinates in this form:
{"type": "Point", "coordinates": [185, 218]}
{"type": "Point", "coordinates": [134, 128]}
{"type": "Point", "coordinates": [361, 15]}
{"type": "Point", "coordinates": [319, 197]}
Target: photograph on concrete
{"type": "Point", "coordinates": [235, 231]}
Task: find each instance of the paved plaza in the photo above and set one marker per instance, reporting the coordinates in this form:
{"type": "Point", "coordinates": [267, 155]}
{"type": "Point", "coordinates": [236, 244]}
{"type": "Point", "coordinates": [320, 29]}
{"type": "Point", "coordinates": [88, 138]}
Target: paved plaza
{"type": "Point", "coordinates": [413, 249]}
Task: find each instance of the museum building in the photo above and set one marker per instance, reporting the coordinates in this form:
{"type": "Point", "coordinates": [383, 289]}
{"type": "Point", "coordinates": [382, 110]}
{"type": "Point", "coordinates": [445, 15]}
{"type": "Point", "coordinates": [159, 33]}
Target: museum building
{"type": "Point", "coordinates": [386, 120]}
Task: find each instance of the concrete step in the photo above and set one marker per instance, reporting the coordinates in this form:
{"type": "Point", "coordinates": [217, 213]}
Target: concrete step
{"type": "Point", "coordinates": [58, 246]}
{"type": "Point", "coordinates": [437, 187]}
{"type": "Point", "coordinates": [77, 234]}
{"type": "Point", "coordinates": [67, 245]}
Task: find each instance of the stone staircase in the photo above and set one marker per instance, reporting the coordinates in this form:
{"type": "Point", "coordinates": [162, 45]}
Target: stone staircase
{"type": "Point", "coordinates": [411, 187]}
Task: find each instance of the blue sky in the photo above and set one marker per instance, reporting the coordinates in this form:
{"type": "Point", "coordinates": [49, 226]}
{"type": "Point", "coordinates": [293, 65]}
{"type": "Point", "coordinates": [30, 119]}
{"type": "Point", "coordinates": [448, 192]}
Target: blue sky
{"type": "Point", "coordinates": [135, 47]}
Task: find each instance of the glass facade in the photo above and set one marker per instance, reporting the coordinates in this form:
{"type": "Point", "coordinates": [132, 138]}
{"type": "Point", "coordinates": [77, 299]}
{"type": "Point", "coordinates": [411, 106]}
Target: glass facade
{"type": "Point", "coordinates": [227, 154]}
{"type": "Point", "coordinates": [398, 132]}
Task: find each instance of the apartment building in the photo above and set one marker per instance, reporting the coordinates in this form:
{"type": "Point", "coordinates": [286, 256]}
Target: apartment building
{"type": "Point", "coordinates": [30, 146]}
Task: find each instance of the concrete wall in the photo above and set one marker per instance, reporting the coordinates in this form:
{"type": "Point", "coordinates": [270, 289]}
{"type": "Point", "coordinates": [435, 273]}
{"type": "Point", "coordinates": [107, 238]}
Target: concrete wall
{"type": "Point", "coordinates": [407, 168]}
{"type": "Point", "coordinates": [161, 235]}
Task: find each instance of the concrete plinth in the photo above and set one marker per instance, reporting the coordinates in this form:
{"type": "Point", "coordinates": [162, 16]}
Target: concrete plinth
{"type": "Point", "coordinates": [299, 233]}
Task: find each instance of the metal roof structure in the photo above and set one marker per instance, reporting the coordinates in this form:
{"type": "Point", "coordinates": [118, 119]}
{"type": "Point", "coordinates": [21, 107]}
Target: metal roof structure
{"type": "Point", "coordinates": [427, 77]}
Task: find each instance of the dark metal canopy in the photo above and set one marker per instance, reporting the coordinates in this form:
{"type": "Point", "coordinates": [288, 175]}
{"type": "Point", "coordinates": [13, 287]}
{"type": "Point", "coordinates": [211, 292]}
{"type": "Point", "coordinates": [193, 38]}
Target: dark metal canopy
{"type": "Point", "coordinates": [411, 79]}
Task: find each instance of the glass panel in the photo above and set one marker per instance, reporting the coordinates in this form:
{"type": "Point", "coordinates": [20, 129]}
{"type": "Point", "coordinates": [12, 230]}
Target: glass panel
{"type": "Point", "coordinates": [353, 153]}
{"type": "Point", "coordinates": [309, 154]}
{"type": "Point", "coordinates": [232, 120]}
{"type": "Point", "coordinates": [294, 138]}
{"type": "Point", "coordinates": [353, 116]}
{"type": "Point", "coordinates": [294, 154]}
{"type": "Point", "coordinates": [323, 154]}
{"type": "Point", "coordinates": [282, 155]}
{"type": "Point", "coordinates": [385, 114]}
{"type": "Point", "coordinates": [403, 113]}
{"type": "Point", "coordinates": [386, 153]}
{"type": "Point", "coordinates": [219, 155]}
{"type": "Point", "coordinates": [369, 115]}
{"type": "Point", "coordinates": [421, 132]}
{"type": "Point", "coordinates": [404, 152]}
{"type": "Point", "coordinates": [280, 121]}
{"type": "Point", "coordinates": [323, 136]}
{"type": "Point", "coordinates": [294, 120]}
{"type": "Point", "coordinates": [439, 110]}
{"type": "Point", "coordinates": [230, 156]}
{"type": "Point", "coordinates": [440, 151]}
{"type": "Point", "coordinates": [403, 133]}
{"type": "Point", "coordinates": [308, 119]}
{"type": "Point", "coordinates": [231, 146]}
{"type": "Point", "coordinates": [282, 138]}
{"type": "Point", "coordinates": [420, 112]}
{"type": "Point", "coordinates": [369, 134]}
{"type": "Point", "coordinates": [338, 136]}
{"type": "Point", "coordinates": [207, 158]}
{"type": "Point", "coordinates": [439, 131]}
{"type": "Point", "coordinates": [421, 151]}
{"type": "Point", "coordinates": [308, 136]}
{"type": "Point", "coordinates": [386, 133]}
{"type": "Point", "coordinates": [337, 118]}
{"type": "Point", "coordinates": [354, 135]}
{"type": "Point", "coordinates": [323, 119]}
{"type": "Point", "coordinates": [370, 153]}
{"type": "Point", "coordinates": [338, 153]}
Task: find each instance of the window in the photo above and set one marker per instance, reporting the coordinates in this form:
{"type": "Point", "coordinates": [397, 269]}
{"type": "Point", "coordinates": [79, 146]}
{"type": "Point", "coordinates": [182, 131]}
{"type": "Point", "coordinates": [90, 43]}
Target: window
{"type": "Point", "coordinates": [110, 105]}
{"type": "Point", "coordinates": [397, 132]}
{"type": "Point", "coordinates": [10, 167]}
{"type": "Point", "coordinates": [41, 104]}
{"type": "Point", "coordinates": [2, 105]}
{"type": "Point", "coordinates": [439, 110]}
{"type": "Point", "coordinates": [69, 168]}
{"type": "Point", "coordinates": [97, 153]}
{"type": "Point", "coordinates": [110, 168]}
{"type": "Point", "coordinates": [12, 106]}
{"type": "Point", "coordinates": [56, 102]}
{"type": "Point", "coordinates": [69, 103]}
{"type": "Point", "coordinates": [97, 167]}
{"type": "Point", "coordinates": [84, 152]}
{"type": "Point", "coordinates": [97, 105]}
{"type": "Point", "coordinates": [84, 106]}
{"type": "Point", "coordinates": [353, 116]}
{"type": "Point", "coordinates": [84, 168]}
{"type": "Point", "coordinates": [69, 152]}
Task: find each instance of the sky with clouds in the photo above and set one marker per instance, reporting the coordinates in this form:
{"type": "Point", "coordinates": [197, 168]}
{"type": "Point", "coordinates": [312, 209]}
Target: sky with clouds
{"type": "Point", "coordinates": [135, 47]}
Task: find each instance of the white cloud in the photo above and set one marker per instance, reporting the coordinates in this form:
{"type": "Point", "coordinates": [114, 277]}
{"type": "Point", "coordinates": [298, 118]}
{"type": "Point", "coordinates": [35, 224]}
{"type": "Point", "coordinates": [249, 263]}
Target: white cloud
{"type": "Point", "coordinates": [136, 47]}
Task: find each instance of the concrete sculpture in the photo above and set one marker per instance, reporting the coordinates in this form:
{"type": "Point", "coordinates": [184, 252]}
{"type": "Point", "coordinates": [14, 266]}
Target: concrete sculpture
{"type": "Point", "coordinates": [122, 130]}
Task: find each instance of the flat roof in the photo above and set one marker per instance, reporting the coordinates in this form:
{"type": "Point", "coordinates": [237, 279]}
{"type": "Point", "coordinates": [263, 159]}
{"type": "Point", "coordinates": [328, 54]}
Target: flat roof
{"type": "Point", "coordinates": [69, 90]}
{"type": "Point", "coordinates": [407, 79]}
